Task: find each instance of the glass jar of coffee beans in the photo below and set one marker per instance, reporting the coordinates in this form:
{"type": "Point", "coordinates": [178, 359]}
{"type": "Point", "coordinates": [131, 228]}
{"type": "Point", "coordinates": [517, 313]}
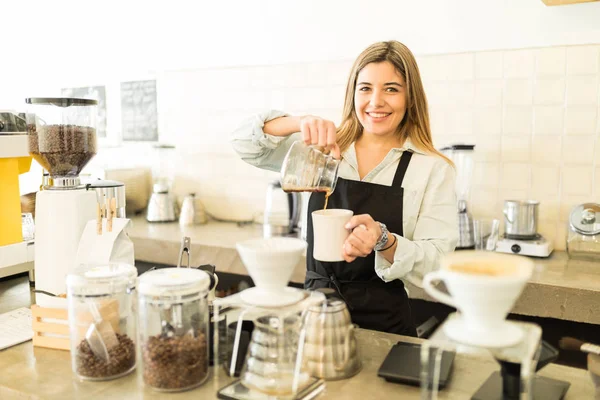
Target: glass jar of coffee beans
{"type": "Point", "coordinates": [101, 320]}
{"type": "Point", "coordinates": [173, 328]}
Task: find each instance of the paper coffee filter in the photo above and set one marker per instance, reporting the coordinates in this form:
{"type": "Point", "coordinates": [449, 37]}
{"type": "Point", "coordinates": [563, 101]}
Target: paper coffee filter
{"type": "Point", "coordinates": [510, 265]}
{"type": "Point", "coordinates": [271, 260]}
{"type": "Point", "coordinates": [262, 251]}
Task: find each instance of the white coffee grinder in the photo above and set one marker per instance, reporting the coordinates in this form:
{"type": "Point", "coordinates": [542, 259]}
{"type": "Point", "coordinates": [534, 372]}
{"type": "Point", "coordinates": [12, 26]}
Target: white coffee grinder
{"type": "Point", "coordinates": [62, 139]}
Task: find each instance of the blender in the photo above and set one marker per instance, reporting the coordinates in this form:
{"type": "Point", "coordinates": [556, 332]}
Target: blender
{"type": "Point", "coordinates": [62, 139]}
{"type": "Point", "coordinates": [462, 156]}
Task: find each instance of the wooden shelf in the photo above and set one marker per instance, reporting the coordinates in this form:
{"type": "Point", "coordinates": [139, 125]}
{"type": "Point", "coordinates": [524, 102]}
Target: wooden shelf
{"type": "Point", "coordinates": [12, 146]}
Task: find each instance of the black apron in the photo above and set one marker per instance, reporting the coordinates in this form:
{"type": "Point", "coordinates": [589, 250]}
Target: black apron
{"type": "Point", "coordinates": [373, 303]}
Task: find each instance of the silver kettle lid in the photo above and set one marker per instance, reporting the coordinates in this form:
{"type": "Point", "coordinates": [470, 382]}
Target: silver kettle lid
{"type": "Point", "coordinates": [585, 219]}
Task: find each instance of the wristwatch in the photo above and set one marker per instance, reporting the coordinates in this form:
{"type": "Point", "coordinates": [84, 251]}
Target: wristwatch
{"type": "Point", "coordinates": [383, 239]}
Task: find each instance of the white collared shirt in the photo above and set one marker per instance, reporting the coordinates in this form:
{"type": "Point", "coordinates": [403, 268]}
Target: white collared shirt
{"type": "Point", "coordinates": [429, 212]}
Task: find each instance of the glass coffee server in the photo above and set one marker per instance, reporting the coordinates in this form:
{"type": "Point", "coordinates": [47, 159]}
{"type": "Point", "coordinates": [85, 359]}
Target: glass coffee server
{"type": "Point", "coordinates": [263, 327]}
{"type": "Point", "coordinates": [264, 346]}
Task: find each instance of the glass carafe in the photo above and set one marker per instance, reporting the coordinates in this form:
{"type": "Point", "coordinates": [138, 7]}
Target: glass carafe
{"type": "Point", "coordinates": [308, 169]}
{"type": "Point", "coordinates": [271, 362]}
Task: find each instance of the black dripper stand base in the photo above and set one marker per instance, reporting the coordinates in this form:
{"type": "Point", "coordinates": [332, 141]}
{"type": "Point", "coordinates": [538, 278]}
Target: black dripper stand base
{"type": "Point", "coordinates": [519, 362]}
{"type": "Point", "coordinates": [506, 383]}
{"type": "Point", "coordinates": [543, 389]}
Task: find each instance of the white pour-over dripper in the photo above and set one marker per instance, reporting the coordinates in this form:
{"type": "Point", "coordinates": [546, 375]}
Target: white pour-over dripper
{"type": "Point", "coordinates": [270, 263]}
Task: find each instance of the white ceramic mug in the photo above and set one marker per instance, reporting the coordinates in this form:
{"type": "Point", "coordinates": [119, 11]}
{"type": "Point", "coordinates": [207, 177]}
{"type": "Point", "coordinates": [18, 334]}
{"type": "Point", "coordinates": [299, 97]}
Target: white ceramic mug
{"type": "Point", "coordinates": [483, 286]}
{"type": "Point", "coordinates": [329, 233]}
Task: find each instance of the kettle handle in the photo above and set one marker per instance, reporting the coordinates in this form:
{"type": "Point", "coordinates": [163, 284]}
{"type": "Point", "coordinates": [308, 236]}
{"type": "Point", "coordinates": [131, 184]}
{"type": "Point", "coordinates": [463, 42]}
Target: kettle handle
{"type": "Point", "coordinates": [506, 216]}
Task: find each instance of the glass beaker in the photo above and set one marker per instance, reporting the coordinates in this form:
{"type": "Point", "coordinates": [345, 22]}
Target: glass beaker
{"type": "Point", "coordinates": [308, 169]}
{"type": "Point", "coordinates": [486, 234]}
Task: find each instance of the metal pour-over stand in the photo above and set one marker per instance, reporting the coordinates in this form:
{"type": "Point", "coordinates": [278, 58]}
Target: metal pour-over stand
{"type": "Point", "coordinates": [516, 380]}
{"type": "Point", "coordinates": [231, 304]}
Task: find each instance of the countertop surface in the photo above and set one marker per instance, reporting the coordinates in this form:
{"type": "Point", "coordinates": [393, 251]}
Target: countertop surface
{"type": "Point", "coordinates": [28, 372]}
{"type": "Point", "coordinates": [560, 288]}
{"type": "Point", "coordinates": [38, 373]}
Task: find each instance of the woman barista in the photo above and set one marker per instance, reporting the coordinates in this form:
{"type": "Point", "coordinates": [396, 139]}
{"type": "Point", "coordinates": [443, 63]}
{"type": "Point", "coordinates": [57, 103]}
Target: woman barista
{"type": "Point", "coordinates": [402, 190]}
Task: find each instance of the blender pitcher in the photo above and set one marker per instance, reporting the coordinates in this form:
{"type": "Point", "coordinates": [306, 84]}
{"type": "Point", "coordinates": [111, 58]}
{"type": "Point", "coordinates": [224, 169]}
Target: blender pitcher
{"type": "Point", "coordinates": [462, 156]}
{"type": "Point", "coordinates": [308, 169]}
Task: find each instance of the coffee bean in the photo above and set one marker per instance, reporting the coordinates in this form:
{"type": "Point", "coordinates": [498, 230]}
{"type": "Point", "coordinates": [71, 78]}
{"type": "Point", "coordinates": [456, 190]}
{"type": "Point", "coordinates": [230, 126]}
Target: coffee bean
{"type": "Point", "coordinates": [177, 362]}
{"type": "Point", "coordinates": [121, 359]}
{"type": "Point", "coordinates": [63, 150]}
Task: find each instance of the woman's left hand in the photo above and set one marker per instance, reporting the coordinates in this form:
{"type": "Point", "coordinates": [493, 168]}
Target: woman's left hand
{"type": "Point", "coordinates": [361, 242]}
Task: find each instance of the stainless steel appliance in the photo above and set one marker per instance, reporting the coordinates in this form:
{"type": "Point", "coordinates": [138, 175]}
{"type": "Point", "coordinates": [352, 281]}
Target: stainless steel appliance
{"type": "Point", "coordinates": [162, 207]}
{"type": "Point", "coordinates": [520, 218]}
{"type": "Point", "coordinates": [462, 156]}
{"type": "Point", "coordinates": [535, 247]}
{"type": "Point", "coordinates": [330, 350]}
{"type": "Point", "coordinates": [583, 237]}
{"type": "Point", "coordinates": [520, 230]}
{"type": "Point", "coordinates": [282, 212]}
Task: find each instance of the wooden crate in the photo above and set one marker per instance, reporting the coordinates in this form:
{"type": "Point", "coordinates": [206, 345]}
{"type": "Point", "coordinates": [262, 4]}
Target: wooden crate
{"type": "Point", "coordinates": [50, 334]}
{"type": "Point", "coordinates": [51, 325]}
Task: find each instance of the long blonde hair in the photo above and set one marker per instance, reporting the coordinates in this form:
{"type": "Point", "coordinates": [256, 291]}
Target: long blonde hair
{"type": "Point", "coordinates": [415, 124]}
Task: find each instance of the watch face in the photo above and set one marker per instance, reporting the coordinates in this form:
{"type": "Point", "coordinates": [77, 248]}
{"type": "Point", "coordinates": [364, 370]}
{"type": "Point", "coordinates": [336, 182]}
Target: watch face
{"type": "Point", "coordinates": [383, 239]}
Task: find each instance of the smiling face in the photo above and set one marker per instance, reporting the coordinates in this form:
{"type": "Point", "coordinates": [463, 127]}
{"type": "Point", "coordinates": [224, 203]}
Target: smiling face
{"type": "Point", "coordinates": [380, 98]}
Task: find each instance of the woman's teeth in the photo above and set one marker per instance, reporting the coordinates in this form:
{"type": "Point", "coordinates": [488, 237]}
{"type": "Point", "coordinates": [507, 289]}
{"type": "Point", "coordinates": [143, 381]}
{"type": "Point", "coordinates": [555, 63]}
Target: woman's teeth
{"type": "Point", "coordinates": [378, 115]}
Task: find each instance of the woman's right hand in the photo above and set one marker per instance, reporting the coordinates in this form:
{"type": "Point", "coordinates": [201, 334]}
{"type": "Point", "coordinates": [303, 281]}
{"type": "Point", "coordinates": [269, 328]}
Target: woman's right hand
{"type": "Point", "coordinates": [320, 132]}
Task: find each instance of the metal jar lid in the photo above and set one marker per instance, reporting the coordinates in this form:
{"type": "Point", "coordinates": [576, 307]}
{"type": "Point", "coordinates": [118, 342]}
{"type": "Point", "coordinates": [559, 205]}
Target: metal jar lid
{"type": "Point", "coordinates": [101, 279]}
{"type": "Point", "coordinates": [170, 282]}
{"type": "Point", "coordinates": [61, 101]}
{"type": "Point", "coordinates": [585, 219]}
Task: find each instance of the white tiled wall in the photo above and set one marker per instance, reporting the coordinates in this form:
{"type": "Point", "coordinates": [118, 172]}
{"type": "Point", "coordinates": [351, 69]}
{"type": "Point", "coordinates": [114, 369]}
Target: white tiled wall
{"type": "Point", "coordinates": [533, 114]}
{"type": "Point", "coordinates": [535, 121]}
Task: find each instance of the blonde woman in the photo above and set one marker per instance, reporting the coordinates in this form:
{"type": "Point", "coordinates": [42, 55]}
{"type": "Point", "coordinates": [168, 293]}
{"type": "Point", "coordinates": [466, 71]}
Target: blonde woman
{"type": "Point", "coordinates": [401, 189]}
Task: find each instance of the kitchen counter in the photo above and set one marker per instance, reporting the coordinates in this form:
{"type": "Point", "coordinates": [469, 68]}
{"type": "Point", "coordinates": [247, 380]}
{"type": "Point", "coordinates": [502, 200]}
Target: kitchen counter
{"type": "Point", "coordinates": [37, 373]}
{"type": "Point", "coordinates": [560, 288]}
